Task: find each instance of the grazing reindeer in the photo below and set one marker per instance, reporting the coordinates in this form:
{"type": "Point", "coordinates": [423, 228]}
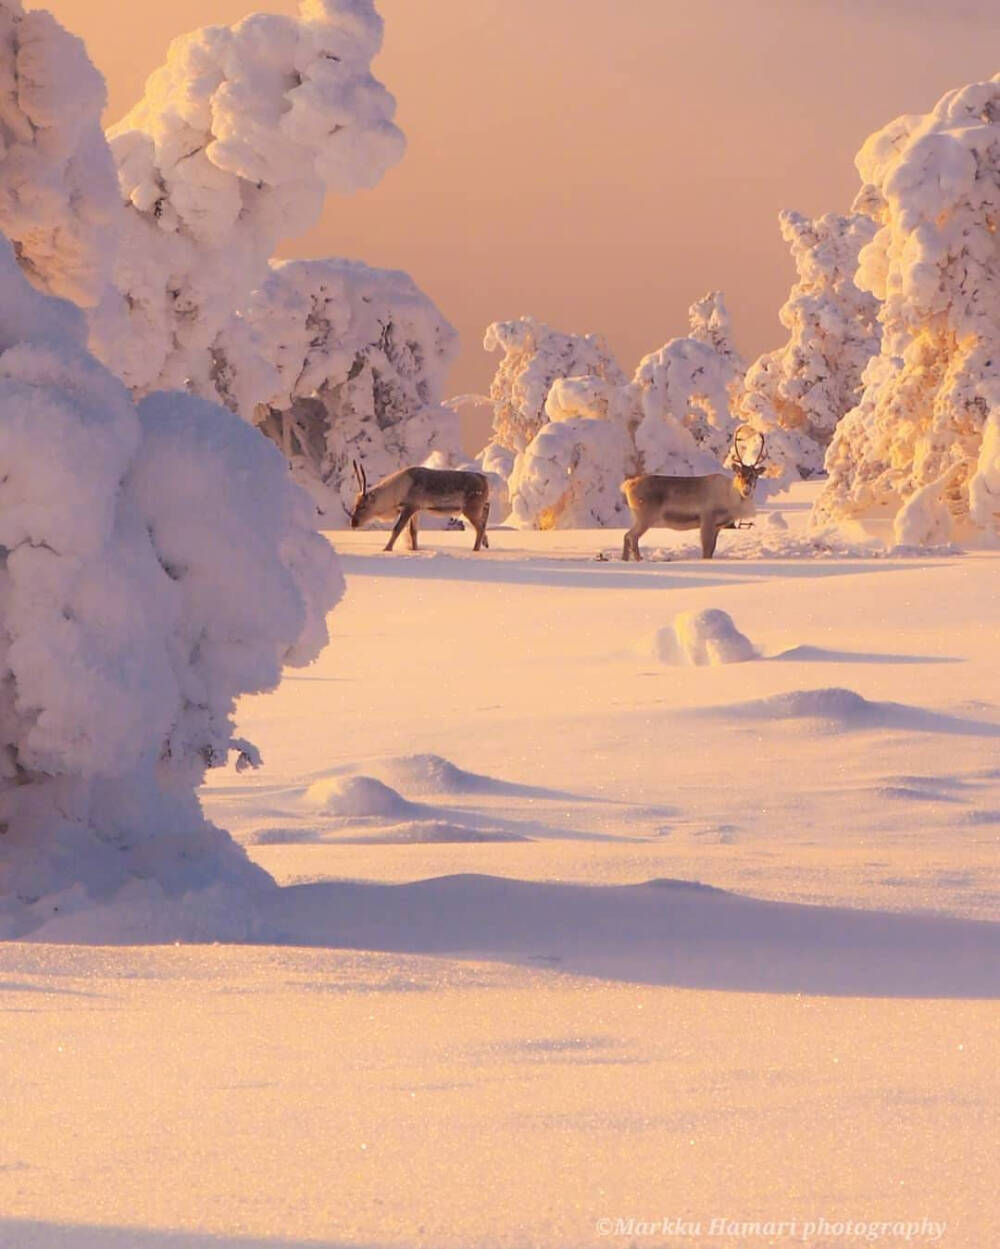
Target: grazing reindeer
{"type": "Point", "coordinates": [411, 490]}
{"type": "Point", "coordinates": [708, 503]}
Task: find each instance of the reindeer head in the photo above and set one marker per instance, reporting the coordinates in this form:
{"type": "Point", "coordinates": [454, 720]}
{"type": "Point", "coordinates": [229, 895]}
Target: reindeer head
{"type": "Point", "coordinates": [747, 472]}
{"type": "Point", "coordinates": [362, 504]}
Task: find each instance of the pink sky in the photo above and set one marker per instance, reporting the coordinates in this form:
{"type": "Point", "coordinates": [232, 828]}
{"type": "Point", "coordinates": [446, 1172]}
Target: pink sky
{"type": "Point", "coordinates": [600, 164]}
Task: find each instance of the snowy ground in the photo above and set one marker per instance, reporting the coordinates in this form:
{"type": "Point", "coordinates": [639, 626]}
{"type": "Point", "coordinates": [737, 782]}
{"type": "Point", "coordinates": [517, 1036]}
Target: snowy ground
{"type": "Point", "coordinates": [491, 1005]}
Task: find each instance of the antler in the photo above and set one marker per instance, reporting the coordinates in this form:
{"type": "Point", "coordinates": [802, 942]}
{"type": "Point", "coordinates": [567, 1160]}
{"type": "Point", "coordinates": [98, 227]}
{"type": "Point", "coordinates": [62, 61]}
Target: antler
{"type": "Point", "coordinates": [739, 443]}
{"type": "Point", "coordinates": [359, 473]}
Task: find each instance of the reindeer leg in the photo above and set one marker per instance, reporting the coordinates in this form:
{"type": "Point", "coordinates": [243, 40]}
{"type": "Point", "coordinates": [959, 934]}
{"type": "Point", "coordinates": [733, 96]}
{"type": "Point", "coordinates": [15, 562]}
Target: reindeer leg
{"type": "Point", "coordinates": [401, 522]}
{"type": "Point", "coordinates": [479, 520]}
{"type": "Point", "coordinates": [413, 532]}
{"type": "Point", "coordinates": [709, 536]}
{"type": "Point", "coordinates": [632, 541]}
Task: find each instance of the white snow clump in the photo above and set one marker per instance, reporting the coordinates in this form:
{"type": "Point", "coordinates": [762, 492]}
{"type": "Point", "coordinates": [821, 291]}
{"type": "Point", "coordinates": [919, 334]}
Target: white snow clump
{"type": "Point", "coordinates": [702, 639]}
{"type": "Point", "coordinates": [58, 189]}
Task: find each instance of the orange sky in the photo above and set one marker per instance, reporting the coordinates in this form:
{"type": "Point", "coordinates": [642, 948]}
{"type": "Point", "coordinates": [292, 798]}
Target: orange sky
{"type": "Point", "coordinates": [602, 163]}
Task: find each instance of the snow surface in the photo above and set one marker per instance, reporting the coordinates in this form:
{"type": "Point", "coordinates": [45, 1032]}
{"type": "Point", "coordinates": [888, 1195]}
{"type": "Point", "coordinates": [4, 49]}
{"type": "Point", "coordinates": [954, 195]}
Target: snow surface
{"type": "Point", "coordinates": [608, 938]}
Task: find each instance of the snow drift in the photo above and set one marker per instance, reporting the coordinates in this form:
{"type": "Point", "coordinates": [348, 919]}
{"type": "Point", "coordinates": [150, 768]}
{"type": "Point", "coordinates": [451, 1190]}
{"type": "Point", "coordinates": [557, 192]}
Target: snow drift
{"type": "Point", "coordinates": [357, 797]}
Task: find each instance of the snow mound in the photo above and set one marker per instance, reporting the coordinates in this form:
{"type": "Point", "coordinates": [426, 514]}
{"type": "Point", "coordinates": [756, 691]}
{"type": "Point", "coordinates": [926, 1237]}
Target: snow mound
{"type": "Point", "coordinates": [702, 639]}
{"type": "Point", "coordinates": [427, 832]}
{"type": "Point", "coordinates": [835, 703]}
{"type": "Point", "coordinates": [430, 774]}
{"type": "Point", "coordinates": [357, 797]}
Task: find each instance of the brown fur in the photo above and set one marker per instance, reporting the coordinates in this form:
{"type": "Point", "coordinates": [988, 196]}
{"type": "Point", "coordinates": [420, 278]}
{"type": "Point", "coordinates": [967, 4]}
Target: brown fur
{"type": "Point", "coordinates": [707, 503]}
{"type": "Point", "coordinates": [409, 491]}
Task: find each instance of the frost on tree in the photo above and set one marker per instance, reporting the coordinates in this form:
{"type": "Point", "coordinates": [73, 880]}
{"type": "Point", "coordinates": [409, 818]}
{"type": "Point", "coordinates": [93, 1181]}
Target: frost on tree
{"type": "Point", "coordinates": [58, 189]}
{"type": "Point", "coordinates": [931, 396]}
{"type": "Point", "coordinates": [536, 358]}
{"type": "Point", "coordinates": [797, 394]}
{"type": "Point", "coordinates": [337, 362]}
{"type": "Point", "coordinates": [232, 148]}
{"type": "Point", "coordinates": [535, 355]}
{"type": "Point", "coordinates": [158, 563]}
{"type": "Point", "coordinates": [570, 474]}
{"type": "Point", "coordinates": [684, 396]}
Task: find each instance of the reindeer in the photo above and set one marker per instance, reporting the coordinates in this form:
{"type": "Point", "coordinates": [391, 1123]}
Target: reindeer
{"type": "Point", "coordinates": [411, 490]}
{"type": "Point", "coordinates": [709, 503]}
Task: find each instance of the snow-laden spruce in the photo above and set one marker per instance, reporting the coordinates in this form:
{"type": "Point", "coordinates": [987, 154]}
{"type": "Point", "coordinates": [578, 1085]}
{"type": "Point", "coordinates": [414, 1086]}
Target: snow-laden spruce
{"type": "Point", "coordinates": [686, 392]}
{"type": "Point", "coordinates": [157, 564]}
{"type": "Point", "coordinates": [58, 189]}
{"type": "Point", "coordinates": [534, 356]}
{"type": "Point", "coordinates": [336, 362]}
{"type": "Point", "coordinates": [570, 474]}
{"type": "Point", "coordinates": [237, 139]}
{"type": "Point", "coordinates": [796, 394]}
{"type": "Point", "coordinates": [921, 433]}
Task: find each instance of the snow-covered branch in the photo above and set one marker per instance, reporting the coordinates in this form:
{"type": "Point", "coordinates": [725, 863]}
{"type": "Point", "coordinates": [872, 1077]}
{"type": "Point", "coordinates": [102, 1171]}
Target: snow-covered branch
{"type": "Point", "coordinates": [58, 189]}
{"type": "Point", "coordinates": [237, 139]}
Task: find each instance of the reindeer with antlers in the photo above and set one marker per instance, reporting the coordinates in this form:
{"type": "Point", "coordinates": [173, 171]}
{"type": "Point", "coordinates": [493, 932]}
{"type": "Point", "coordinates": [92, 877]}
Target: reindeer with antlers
{"type": "Point", "coordinates": [709, 503]}
{"type": "Point", "coordinates": [411, 490]}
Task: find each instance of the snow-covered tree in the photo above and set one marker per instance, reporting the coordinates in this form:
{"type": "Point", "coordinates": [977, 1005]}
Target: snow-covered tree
{"type": "Point", "coordinates": [570, 474]}
{"type": "Point", "coordinates": [796, 395]}
{"type": "Point", "coordinates": [684, 395]}
{"type": "Point", "coordinates": [58, 188]}
{"type": "Point", "coordinates": [535, 355]}
{"type": "Point", "coordinates": [235, 143]}
{"type": "Point", "coordinates": [932, 394]}
{"type": "Point", "coordinates": [710, 323]}
{"type": "Point", "coordinates": [339, 362]}
{"type": "Point", "coordinates": [158, 563]}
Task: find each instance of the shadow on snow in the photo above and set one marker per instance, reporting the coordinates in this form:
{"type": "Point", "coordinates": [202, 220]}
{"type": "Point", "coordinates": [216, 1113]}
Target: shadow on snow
{"type": "Point", "coordinates": [666, 932]}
